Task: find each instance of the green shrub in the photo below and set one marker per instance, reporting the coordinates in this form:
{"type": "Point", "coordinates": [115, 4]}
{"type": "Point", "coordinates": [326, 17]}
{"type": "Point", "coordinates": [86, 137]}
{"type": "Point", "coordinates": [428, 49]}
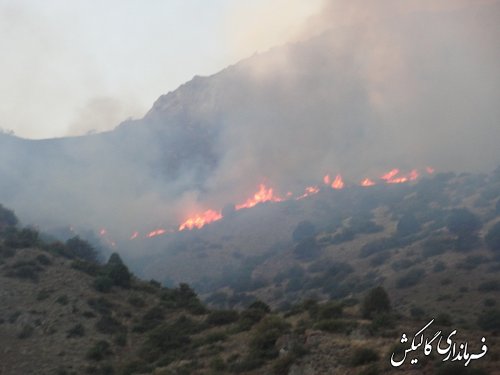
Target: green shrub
{"type": "Point", "coordinates": [136, 301]}
{"type": "Point", "coordinates": [79, 248]}
{"type": "Point", "coordinates": [109, 325]}
{"type": "Point", "coordinates": [24, 238]}
{"type": "Point", "coordinates": [102, 284]}
{"type": "Point", "coordinates": [462, 222]}
{"type": "Point", "coordinates": [78, 330]}
{"type": "Point", "coordinates": [99, 351]}
{"type": "Point", "coordinates": [362, 356]}
{"type": "Point", "coordinates": [436, 245]}
{"type": "Point", "coordinates": [43, 260]}
{"type": "Point", "coordinates": [25, 269]}
{"type": "Point", "coordinates": [411, 278]}
{"type": "Point", "coordinates": [267, 331]}
{"type": "Point", "coordinates": [375, 302]}
{"type": "Point", "coordinates": [89, 268]}
{"type": "Point", "coordinates": [489, 286]}
{"type": "Point", "coordinates": [7, 218]}
{"type": "Point", "coordinates": [26, 331]}
{"type": "Point", "coordinates": [329, 310]}
{"type": "Point", "coordinates": [62, 300]}
{"type": "Point", "coordinates": [116, 270]}
{"type": "Point", "coordinates": [222, 317]}
{"type": "Point", "coordinates": [444, 319]}
{"type": "Point", "coordinates": [336, 325]}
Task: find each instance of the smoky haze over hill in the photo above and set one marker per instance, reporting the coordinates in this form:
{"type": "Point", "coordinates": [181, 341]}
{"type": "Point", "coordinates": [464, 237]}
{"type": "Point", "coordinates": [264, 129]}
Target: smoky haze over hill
{"type": "Point", "coordinates": [393, 86]}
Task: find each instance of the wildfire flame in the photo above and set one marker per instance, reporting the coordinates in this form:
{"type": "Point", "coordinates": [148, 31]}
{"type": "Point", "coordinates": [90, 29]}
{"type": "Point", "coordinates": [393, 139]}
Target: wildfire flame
{"type": "Point", "coordinates": [338, 182]}
{"type": "Point", "coordinates": [310, 190]}
{"type": "Point", "coordinates": [156, 232]}
{"type": "Point", "coordinates": [104, 235]}
{"type": "Point", "coordinates": [200, 220]}
{"type": "Point", "coordinates": [263, 195]}
{"type": "Point", "coordinates": [394, 177]}
{"type": "Point", "coordinates": [367, 182]}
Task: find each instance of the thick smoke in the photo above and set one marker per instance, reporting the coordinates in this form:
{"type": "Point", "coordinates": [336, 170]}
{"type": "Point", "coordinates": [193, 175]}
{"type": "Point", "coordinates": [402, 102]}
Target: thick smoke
{"type": "Point", "coordinates": [367, 87]}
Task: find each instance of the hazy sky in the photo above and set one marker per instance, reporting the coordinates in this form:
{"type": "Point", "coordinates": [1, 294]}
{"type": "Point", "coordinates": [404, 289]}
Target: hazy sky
{"type": "Point", "coordinates": [69, 67]}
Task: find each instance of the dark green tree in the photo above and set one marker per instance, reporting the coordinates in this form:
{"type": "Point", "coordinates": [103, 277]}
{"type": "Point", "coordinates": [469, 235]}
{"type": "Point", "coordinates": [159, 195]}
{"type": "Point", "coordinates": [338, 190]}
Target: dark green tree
{"type": "Point", "coordinates": [375, 302]}
{"type": "Point", "coordinates": [117, 271]}
{"type": "Point", "coordinates": [81, 249]}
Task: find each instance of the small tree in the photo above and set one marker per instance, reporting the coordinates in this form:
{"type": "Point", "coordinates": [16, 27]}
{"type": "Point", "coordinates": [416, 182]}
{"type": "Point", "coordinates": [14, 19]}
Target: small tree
{"type": "Point", "coordinates": [376, 302]}
{"type": "Point", "coordinates": [81, 249]}
{"type": "Point", "coordinates": [7, 218]}
{"type": "Point", "coordinates": [117, 271]}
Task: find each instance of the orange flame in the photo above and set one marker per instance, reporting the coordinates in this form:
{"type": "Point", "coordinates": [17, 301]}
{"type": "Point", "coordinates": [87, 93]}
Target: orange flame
{"type": "Point", "coordinates": [156, 232]}
{"type": "Point", "coordinates": [326, 180]}
{"type": "Point", "coordinates": [134, 235]}
{"type": "Point", "coordinates": [367, 182]}
{"type": "Point", "coordinates": [263, 195]}
{"type": "Point", "coordinates": [310, 190]}
{"type": "Point", "coordinates": [104, 234]}
{"type": "Point", "coordinates": [338, 183]}
{"type": "Point", "coordinates": [430, 170]}
{"type": "Point", "coordinates": [200, 220]}
{"type": "Point", "coordinates": [390, 175]}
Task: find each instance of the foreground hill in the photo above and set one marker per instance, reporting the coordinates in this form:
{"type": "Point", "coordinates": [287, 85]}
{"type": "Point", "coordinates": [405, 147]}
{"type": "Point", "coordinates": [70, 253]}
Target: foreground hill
{"type": "Point", "coordinates": [63, 313]}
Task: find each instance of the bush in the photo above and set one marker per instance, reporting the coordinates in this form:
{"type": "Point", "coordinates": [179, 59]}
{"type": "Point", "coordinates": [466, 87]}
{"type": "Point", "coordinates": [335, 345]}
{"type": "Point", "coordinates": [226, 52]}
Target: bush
{"type": "Point", "coordinates": [462, 222]}
{"type": "Point", "coordinates": [7, 218]}
{"type": "Point", "coordinates": [489, 286]}
{"type": "Point", "coordinates": [222, 317]}
{"type": "Point", "coordinates": [267, 331]}
{"type": "Point", "coordinates": [330, 310]}
{"type": "Point", "coordinates": [436, 246]}
{"type": "Point", "coordinates": [376, 302]}
{"type": "Point", "coordinates": [26, 331]}
{"type": "Point", "coordinates": [411, 278]}
{"type": "Point", "coordinates": [117, 271]}
{"type": "Point", "coordinates": [78, 330]}
{"type": "Point", "coordinates": [336, 325]}
{"type": "Point", "coordinates": [24, 238]}
{"type": "Point", "coordinates": [362, 356]}
{"type": "Point", "coordinates": [103, 284]}
{"type": "Point", "coordinates": [81, 249]}
{"type": "Point", "coordinates": [99, 351]}
{"type": "Point", "coordinates": [109, 325]}
{"type": "Point", "coordinates": [91, 269]}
